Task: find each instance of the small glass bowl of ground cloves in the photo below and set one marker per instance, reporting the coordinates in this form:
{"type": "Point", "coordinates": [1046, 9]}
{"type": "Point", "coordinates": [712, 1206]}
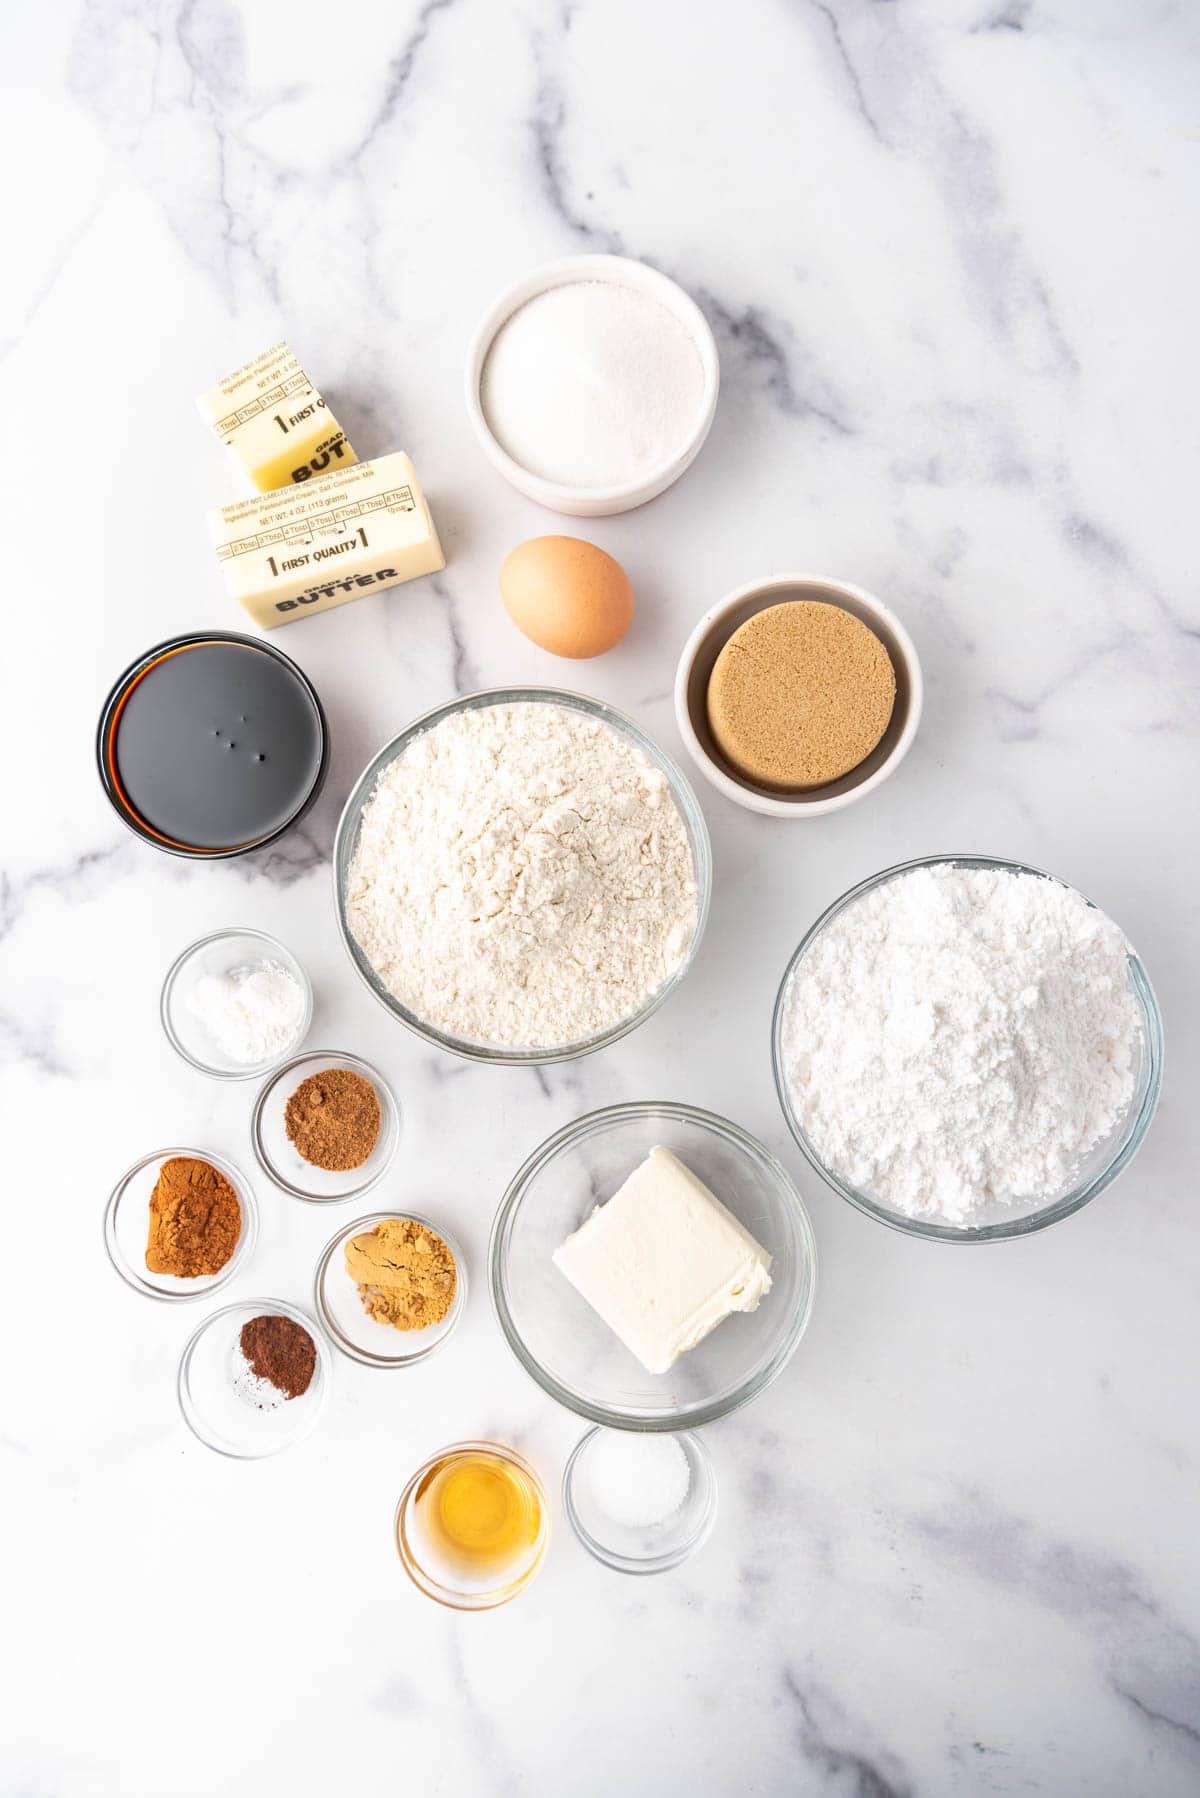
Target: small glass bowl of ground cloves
{"type": "Point", "coordinates": [253, 1378]}
{"type": "Point", "coordinates": [325, 1127]}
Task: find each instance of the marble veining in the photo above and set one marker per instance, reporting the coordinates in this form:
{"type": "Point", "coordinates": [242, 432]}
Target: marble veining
{"type": "Point", "coordinates": [949, 257]}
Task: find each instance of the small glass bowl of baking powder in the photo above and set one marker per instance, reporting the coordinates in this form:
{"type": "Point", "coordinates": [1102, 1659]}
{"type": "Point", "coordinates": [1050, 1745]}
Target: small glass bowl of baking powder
{"type": "Point", "coordinates": [629, 1512]}
{"type": "Point", "coordinates": [235, 1004]}
{"type": "Point", "coordinates": [995, 1222]}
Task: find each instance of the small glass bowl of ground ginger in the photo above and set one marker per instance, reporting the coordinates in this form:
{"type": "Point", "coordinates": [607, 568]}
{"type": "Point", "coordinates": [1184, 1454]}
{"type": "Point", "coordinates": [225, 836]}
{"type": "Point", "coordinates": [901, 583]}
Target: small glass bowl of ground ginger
{"type": "Point", "coordinates": [390, 1288]}
{"type": "Point", "coordinates": [325, 1127]}
{"type": "Point", "coordinates": [253, 1378]}
{"type": "Point", "coordinates": [180, 1223]}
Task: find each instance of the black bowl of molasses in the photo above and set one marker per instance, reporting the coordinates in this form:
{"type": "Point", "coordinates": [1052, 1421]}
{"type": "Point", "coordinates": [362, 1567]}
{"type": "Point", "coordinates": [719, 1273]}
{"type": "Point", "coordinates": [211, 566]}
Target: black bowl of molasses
{"type": "Point", "coordinates": [212, 745]}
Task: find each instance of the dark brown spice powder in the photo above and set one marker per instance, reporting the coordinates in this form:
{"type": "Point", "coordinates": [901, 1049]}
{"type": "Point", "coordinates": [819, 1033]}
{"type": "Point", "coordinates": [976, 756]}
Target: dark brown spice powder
{"type": "Point", "coordinates": [281, 1352]}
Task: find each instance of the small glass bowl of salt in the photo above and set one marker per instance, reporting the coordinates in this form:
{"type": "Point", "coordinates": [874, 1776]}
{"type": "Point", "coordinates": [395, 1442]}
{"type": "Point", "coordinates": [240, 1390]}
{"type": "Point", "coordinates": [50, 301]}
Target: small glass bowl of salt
{"type": "Point", "coordinates": [235, 1004]}
{"type": "Point", "coordinates": [640, 1501]}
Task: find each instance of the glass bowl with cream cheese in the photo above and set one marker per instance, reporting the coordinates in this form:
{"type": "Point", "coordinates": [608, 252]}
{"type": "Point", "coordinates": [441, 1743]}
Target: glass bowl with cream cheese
{"type": "Point", "coordinates": [570, 1343]}
{"type": "Point", "coordinates": [456, 864]}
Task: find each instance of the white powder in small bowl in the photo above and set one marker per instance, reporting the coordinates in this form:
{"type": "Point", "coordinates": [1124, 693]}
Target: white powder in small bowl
{"type": "Point", "coordinates": [637, 1481]}
{"type": "Point", "coordinates": [252, 1014]}
{"type": "Point", "coordinates": [593, 384]}
{"type": "Point", "coordinates": [961, 1037]}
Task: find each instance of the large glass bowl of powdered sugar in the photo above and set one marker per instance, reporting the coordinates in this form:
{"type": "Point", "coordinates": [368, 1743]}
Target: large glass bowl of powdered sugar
{"type": "Point", "coordinates": [522, 876]}
{"type": "Point", "coordinates": [966, 1048]}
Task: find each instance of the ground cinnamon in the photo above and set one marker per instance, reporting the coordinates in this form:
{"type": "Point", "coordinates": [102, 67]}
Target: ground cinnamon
{"type": "Point", "coordinates": [195, 1219]}
{"type": "Point", "coordinates": [281, 1352]}
{"type": "Point", "coordinates": [333, 1119]}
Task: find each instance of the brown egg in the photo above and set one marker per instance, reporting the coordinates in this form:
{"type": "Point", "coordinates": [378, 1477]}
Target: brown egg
{"type": "Point", "coordinates": [567, 596]}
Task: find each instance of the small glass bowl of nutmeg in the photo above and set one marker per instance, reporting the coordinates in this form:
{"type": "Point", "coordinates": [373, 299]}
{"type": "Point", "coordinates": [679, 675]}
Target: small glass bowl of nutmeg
{"type": "Point", "coordinates": [325, 1127]}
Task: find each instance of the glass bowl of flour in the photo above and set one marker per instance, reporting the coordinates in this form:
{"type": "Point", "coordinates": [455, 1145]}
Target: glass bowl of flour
{"type": "Point", "coordinates": [522, 876]}
{"type": "Point", "coordinates": [966, 1048]}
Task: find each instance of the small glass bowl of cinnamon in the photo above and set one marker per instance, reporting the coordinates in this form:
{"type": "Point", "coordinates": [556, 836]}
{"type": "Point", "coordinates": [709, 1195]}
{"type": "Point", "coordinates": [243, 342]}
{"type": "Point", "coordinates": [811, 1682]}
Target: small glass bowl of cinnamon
{"type": "Point", "coordinates": [167, 1248]}
{"type": "Point", "coordinates": [279, 1146]}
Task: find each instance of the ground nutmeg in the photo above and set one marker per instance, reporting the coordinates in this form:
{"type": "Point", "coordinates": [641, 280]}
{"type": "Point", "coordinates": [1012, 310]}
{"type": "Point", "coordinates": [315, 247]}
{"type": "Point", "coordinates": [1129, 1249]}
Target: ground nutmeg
{"type": "Point", "coordinates": [333, 1119]}
{"type": "Point", "coordinates": [281, 1352]}
{"type": "Point", "coordinates": [195, 1219]}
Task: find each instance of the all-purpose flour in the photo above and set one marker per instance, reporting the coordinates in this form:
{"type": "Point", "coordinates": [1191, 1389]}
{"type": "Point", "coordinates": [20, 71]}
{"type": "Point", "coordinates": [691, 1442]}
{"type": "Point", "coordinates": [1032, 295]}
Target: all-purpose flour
{"type": "Point", "coordinates": [960, 1037]}
{"type": "Point", "coordinates": [522, 876]}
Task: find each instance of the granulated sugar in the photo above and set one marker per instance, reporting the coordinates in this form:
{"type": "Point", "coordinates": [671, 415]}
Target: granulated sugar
{"type": "Point", "coordinates": [961, 1037]}
{"type": "Point", "coordinates": [592, 384]}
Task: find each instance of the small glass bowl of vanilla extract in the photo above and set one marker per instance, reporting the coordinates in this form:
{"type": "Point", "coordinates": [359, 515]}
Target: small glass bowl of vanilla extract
{"type": "Point", "coordinates": [473, 1525]}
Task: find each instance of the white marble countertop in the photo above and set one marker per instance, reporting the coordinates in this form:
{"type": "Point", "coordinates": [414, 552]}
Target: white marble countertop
{"type": "Point", "coordinates": [949, 256]}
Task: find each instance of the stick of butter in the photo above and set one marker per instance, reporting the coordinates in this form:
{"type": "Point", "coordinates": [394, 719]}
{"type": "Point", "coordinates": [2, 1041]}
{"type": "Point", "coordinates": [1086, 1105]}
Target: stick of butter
{"type": "Point", "coordinates": [664, 1262]}
{"type": "Point", "coordinates": [302, 550]}
{"type": "Point", "coordinates": [273, 419]}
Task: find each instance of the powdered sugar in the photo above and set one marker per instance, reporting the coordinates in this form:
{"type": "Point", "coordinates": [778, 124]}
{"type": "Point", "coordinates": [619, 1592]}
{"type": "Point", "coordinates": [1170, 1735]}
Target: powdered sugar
{"type": "Point", "coordinates": [960, 1037]}
{"type": "Point", "coordinates": [522, 876]}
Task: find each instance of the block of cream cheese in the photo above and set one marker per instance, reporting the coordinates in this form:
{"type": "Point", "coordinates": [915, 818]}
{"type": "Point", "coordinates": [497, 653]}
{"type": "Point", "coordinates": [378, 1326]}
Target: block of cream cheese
{"type": "Point", "coordinates": [273, 419]}
{"type": "Point", "coordinates": [305, 549]}
{"type": "Point", "coordinates": [664, 1262]}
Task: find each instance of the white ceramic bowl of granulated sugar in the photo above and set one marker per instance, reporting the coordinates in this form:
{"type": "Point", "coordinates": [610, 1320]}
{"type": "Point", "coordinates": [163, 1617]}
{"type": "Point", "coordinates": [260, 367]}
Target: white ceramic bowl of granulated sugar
{"type": "Point", "coordinates": [591, 384]}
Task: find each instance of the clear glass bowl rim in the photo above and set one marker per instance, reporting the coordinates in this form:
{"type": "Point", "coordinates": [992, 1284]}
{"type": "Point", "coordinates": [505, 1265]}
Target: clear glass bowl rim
{"type": "Point", "coordinates": [365, 1356]}
{"type": "Point", "coordinates": [681, 791]}
{"type": "Point", "coordinates": [1135, 1128]}
{"type": "Point", "coordinates": [269, 1306]}
{"type": "Point", "coordinates": [324, 1057]}
{"type": "Point", "coordinates": [255, 1070]}
{"type": "Point", "coordinates": [245, 1242]}
{"type": "Point", "coordinates": [694, 1416]}
{"type": "Point", "coordinates": [446, 1595]}
{"type": "Point", "coordinates": [658, 1563]}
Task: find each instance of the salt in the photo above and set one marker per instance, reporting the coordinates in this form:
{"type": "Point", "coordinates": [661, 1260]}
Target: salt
{"type": "Point", "coordinates": [253, 1014]}
{"type": "Point", "coordinates": [638, 1481]}
{"type": "Point", "coordinates": [593, 384]}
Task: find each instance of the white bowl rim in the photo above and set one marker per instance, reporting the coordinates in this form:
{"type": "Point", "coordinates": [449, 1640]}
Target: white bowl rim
{"type": "Point", "coordinates": [621, 271]}
{"type": "Point", "coordinates": [801, 806]}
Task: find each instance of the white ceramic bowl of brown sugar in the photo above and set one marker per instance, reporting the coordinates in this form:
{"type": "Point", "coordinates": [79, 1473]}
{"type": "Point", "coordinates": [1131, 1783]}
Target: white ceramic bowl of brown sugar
{"type": "Point", "coordinates": [695, 671]}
